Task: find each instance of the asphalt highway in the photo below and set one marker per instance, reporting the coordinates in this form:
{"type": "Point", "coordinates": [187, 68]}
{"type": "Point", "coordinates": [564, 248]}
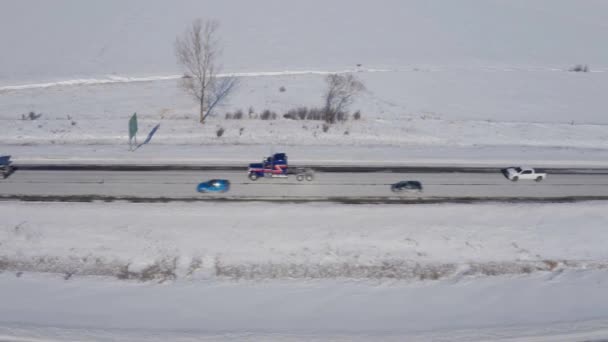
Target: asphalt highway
{"type": "Point", "coordinates": [362, 187]}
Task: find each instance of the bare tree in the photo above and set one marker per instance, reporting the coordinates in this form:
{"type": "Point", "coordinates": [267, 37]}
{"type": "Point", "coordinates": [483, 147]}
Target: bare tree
{"type": "Point", "coordinates": [341, 92]}
{"type": "Point", "coordinates": [197, 51]}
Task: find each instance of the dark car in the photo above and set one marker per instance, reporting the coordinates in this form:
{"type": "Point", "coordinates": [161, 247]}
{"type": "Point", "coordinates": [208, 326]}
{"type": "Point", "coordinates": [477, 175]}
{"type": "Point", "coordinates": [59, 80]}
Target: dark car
{"type": "Point", "coordinates": [5, 166]}
{"type": "Point", "coordinates": [407, 186]}
{"type": "Point", "coordinates": [214, 185]}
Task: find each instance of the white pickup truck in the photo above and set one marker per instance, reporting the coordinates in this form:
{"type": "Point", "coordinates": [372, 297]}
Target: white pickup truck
{"type": "Point", "coordinates": [516, 173]}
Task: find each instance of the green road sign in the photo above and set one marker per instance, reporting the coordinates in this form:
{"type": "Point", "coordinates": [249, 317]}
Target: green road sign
{"type": "Point", "coordinates": [133, 126]}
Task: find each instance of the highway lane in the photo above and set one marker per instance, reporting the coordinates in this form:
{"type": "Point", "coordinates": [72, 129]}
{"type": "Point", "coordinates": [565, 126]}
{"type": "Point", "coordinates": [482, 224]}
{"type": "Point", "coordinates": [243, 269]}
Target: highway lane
{"type": "Point", "coordinates": [348, 186]}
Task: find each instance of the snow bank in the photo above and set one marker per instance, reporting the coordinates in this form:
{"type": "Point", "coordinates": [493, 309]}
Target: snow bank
{"type": "Point", "coordinates": [238, 155]}
{"type": "Point", "coordinates": [206, 241]}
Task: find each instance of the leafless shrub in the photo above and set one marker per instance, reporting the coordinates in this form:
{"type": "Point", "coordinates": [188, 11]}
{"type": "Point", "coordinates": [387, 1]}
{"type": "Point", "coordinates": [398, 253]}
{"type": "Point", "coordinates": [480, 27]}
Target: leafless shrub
{"type": "Point", "coordinates": [304, 113]}
{"type": "Point", "coordinates": [290, 115]}
{"type": "Point", "coordinates": [219, 132]}
{"type": "Point", "coordinates": [195, 264]}
{"type": "Point", "coordinates": [299, 113]}
{"type": "Point", "coordinates": [161, 270]}
{"type": "Point", "coordinates": [341, 116]}
{"type": "Point", "coordinates": [165, 268]}
{"type": "Point", "coordinates": [551, 264]}
{"type": "Point", "coordinates": [268, 115]}
{"type": "Point", "coordinates": [357, 115]}
{"type": "Point", "coordinates": [123, 272]}
{"type": "Point", "coordinates": [315, 114]}
{"type": "Point", "coordinates": [500, 268]}
{"type": "Point", "coordinates": [217, 265]}
{"type": "Point", "coordinates": [228, 116]}
{"type": "Point", "coordinates": [67, 266]}
{"type": "Point", "coordinates": [4, 264]}
{"type": "Point", "coordinates": [31, 116]}
{"type": "Point", "coordinates": [197, 51]}
{"type": "Point", "coordinates": [391, 269]}
{"type": "Point", "coordinates": [340, 94]}
{"type": "Point", "coordinates": [580, 68]}
{"type": "Point", "coordinates": [17, 228]}
{"type": "Point", "coordinates": [325, 127]}
{"type": "Point", "coordinates": [238, 115]}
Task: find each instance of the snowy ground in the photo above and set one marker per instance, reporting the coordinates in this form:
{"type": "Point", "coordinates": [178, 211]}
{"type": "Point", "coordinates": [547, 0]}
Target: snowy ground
{"type": "Point", "coordinates": [538, 307]}
{"type": "Point", "coordinates": [445, 272]}
{"type": "Point", "coordinates": [472, 82]}
{"type": "Point", "coordinates": [237, 155]}
{"type": "Point", "coordinates": [436, 108]}
{"type": "Point", "coordinates": [267, 241]}
{"type": "Point", "coordinates": [428, 113]}
{"type": "Point", "coordinates": [437, 75]}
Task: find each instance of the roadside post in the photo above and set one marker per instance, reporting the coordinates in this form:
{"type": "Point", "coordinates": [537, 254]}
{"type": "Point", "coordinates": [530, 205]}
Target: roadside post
{"type": "Point", "coordinates": [132, 131]}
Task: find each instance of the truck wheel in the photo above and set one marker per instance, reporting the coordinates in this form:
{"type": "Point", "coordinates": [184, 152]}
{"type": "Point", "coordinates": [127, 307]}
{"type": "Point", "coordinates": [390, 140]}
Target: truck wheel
{"type": "Point", "coordinates": [253, 176]}
{"type": "Point", "coordinates": [309, 177]}
{"type": "Point", "coordinates": [300, 178]}
{"type": "Point", "coordinates": [539, 178]}
{"type": "Point", "coordinates": [515, 179]}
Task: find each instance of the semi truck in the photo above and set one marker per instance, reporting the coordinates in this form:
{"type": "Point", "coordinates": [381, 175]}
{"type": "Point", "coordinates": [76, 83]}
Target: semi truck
{"type": "Point", "coordinates": [276, 166]}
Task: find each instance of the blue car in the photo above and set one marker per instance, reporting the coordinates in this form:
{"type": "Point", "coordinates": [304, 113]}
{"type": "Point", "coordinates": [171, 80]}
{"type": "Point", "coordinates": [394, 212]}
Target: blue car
{"type": "Point", "coordinates": [214, 185]}
{"type": "Point", "coordinates": [407, 186]}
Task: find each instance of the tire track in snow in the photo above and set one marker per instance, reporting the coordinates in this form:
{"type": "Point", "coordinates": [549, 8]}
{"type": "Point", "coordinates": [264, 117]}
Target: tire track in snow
{"type": "Point", "coordinates": [112, 79]}
{"type": "Point", "coordinates": [127, 79]}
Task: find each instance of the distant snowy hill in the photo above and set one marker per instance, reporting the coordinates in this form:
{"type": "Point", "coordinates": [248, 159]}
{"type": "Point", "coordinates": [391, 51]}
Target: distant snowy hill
{"type": "Point", "coordinates": [50, 40]}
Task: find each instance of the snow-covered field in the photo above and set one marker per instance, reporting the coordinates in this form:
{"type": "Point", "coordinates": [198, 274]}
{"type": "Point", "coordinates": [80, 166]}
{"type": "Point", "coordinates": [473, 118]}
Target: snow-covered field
{"type": "Point", "coordinates": [445, 272]}
{"type": "Point", "coordinates": [400, 108]}
{"type": "Point", "coordinates": [469, 82]}
{"type": "Point", "coordinates": [468, 74]}
{"type": "Point", "coordinates": [538, 308]}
